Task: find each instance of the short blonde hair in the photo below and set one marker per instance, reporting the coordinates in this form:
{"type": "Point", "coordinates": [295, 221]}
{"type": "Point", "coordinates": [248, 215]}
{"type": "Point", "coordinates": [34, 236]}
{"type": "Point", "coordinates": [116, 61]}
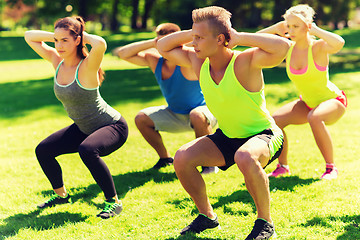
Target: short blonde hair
{"type": "Point", "coordinates": [303, 11]}
{"type": "Point", "coordinates": [218, 17]}
{"type": "Point", "coordinates": [166, 28]}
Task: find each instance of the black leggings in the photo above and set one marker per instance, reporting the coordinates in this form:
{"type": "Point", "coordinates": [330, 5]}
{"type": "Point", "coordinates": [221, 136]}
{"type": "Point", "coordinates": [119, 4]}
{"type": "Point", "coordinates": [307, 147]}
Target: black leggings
{"type": "Point", "coordinates": [102, 142]}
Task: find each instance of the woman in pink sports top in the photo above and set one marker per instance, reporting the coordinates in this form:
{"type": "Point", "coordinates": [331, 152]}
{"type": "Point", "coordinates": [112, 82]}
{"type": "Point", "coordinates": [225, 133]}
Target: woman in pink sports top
{"type": "Point", "coordinates": [321, 102]}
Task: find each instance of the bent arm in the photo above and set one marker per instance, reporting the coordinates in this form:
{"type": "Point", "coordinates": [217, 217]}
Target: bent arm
{"type": "Point", "coordinates": [278, 29]}
{"type": "Point", "coordinates": [332, 43]}
{"type": "Point", "coordinates": [270, 49]}
{"type": "Point", "coordinates": [133, 52]}
{"type": "Point", "coordinates": [36, 40]}
{"type": "Point", "coordinates": [171, 47]}
{"type": "Point", "coordinates": [98, 48]}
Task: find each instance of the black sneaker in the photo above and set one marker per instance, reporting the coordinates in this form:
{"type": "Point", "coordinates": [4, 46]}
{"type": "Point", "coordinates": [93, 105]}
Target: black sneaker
{"type": "Point", "coordinates": [111, 209]}
{"type": "Point", "coordinates": [55, 200]}
{"type": "Point", "coordinates": [261, 230]}
{"type": "Point", "coordinates": [163, 162]}
{"type": "Point", "coordinates": [200, 224]}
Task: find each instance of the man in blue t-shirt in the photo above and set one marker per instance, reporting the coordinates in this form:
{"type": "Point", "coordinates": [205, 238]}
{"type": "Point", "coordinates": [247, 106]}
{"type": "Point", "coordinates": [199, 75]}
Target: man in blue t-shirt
{"type": "Point", "coordinates": [186, 108]}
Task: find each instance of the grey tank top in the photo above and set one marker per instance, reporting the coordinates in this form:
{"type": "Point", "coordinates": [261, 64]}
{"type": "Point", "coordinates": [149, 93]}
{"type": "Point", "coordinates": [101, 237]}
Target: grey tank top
{"type": "Point", "coordinates": [84, 106]}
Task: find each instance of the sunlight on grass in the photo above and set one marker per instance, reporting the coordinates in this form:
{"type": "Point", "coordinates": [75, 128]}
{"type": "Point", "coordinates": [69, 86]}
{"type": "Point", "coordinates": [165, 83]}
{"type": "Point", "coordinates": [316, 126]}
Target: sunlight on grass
{"type": "Point", "coordinates": [155, 204]}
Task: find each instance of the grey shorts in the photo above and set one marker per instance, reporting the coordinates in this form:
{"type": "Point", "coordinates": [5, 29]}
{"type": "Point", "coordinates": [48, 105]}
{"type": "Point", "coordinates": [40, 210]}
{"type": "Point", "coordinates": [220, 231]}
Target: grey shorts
{"type": "Point", "coordinates": [168, 121]}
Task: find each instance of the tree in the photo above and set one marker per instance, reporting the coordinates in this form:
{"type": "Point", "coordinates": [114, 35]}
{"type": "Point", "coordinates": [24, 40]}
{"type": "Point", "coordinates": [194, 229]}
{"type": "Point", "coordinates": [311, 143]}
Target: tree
{"type": "Point", "coordinates": [147, 8]}
{"type": "Point", "coordinates": [280, 6]}
{"type": "Point", "coordinates": [135, 14]}
{"type": "Point", "coordinates": [114, 24]}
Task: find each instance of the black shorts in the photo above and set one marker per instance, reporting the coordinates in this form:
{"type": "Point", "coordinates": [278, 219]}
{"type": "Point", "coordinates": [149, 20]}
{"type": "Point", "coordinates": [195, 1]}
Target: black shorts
{"type": "Point", "coordinates": [228, 146]}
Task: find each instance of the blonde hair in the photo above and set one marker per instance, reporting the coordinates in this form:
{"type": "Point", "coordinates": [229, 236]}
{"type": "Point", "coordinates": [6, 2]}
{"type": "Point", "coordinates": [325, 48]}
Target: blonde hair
{"type": "Point", "coordinates": [303, 11]}
{"type": "Point", "coordinates": [218, 18]}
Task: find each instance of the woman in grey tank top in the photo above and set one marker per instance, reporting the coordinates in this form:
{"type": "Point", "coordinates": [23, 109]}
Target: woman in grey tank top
{"type": "Point", "coordinates": [98, 129]}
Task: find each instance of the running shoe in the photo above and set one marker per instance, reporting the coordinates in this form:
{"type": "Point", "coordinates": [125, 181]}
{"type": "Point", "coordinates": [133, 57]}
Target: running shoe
{"type": "Point", "coordinates": [280, 171]}
{"type": "Point", "coordinates": [163, 162]}
{"type": "Point", "coordinates": [111, 209]}
{"type": "Point", "coordinates": [330, 173]}
{"type": "Point", "coordinates": [208, 170]}
{"type": "Point", "coordinates": [55, 200]}
{"type": "Point", "coordinates": [261, 230]}
{"type": "Point", "coordinates": [201, 223]}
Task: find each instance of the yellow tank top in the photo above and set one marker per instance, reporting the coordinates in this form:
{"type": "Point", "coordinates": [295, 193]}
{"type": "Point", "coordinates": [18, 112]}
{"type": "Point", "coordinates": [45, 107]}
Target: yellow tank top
{"type": "Point", "coordinates": [314, 85]}
{"type": "Point", "coordinates": [240, 113]}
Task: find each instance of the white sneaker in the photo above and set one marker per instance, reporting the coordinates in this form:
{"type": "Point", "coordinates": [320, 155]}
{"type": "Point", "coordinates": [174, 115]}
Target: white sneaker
{"type": "Point", "coordinates": [208, 170]}
{"type": "Point", "coordinates": [330, 173]}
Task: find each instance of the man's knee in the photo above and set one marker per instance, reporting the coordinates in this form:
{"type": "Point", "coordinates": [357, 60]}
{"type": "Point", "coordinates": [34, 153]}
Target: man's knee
{"type": "Point", "coordinates": [198, 119]}
{"type": "Point", "coordinates": [245, 160]}
{"type": "Point", "coordinates": [182, 159]}
{"type": "Point", "coordinates": [143, 120]}
{"type": "Point", "coordinates": [140, 118]}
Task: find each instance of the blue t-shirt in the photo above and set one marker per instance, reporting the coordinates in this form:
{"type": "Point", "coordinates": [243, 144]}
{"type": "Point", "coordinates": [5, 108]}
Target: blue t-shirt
{"type": "Point", "coordinates": [181, 94]}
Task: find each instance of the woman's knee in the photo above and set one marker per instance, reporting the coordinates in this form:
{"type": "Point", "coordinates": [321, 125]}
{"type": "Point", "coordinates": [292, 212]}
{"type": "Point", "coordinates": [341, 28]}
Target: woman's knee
{"type": "Point", "coordinates": [42, 150]}
{"type": "Point", "coordinates": [280, 121]}
{"type": "Point", "coordinates": [88, 153]}
{"type": "Point", "coordinates": [313, 119]}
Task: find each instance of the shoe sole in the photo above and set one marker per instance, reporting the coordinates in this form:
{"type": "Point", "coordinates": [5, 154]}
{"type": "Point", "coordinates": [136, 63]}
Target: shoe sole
{"type": "Point", "coordinates": [280, 175]}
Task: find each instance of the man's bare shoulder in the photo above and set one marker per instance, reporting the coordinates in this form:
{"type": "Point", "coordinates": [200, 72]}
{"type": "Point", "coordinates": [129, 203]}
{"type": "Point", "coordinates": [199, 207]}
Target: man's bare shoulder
{"type": "Point", "coordinates": [152, 58]}
{"type": "Point", "coordinates": [243, 57]}
{"type": "Point", "coordinates": [189, 73]}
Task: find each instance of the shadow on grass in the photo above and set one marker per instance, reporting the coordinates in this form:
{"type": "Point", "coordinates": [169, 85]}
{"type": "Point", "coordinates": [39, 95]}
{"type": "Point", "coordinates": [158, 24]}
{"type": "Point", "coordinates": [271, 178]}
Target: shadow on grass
{"type": "Point", "coordinates": [351, 228]}
{"type": "Point", "coordinates": [193, 236]}
{"type": "Point", "coordinates": [120, 86]}
{"type": "Point", "coordinates": [283, 184]}
{"type": "Point", "coordinates": [15, 48]}
{"type": "Point", "coordinates": [289, 182]}
{"type": "Point", "coordinates": [124, 183]}
{"type": "Point", "coordinates": [13, 224]}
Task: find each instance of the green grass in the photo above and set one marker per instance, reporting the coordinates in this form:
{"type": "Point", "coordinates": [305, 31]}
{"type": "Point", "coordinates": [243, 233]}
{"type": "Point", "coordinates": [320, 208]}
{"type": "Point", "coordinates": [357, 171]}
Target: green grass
{"type": "Point", "coordinates": [155, 205]}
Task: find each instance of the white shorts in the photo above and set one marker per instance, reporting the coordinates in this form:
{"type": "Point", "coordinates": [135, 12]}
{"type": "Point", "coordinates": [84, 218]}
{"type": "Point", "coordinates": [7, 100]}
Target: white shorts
{"type": "Point", "coordinates": [168, 121]}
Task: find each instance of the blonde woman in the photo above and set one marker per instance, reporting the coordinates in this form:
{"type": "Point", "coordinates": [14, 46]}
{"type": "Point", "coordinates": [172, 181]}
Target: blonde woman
{"type": "Point", "coordinates": [321, 102]}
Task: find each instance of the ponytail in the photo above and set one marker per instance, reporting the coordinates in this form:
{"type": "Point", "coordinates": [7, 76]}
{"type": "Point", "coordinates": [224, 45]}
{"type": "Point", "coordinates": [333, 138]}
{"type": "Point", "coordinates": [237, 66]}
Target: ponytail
{"type": "Point", "coordinates": [76, 26]}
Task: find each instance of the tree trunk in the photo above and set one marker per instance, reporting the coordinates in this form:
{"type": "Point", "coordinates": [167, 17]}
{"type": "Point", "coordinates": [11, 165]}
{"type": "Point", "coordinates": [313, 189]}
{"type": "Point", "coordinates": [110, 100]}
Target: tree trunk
{"type": "Point", "coordinates": [148, 6]}
{"type": "Point", "coordinates": [280, 6]}
{"type": "Point", "coordinates": [83, 9]}
{"type": "Point", "coordinates": [255, 16]}
{"type": "Point", "coordinates": [114, 24]}
{"type": "Point", "coordinates": [135, 14]}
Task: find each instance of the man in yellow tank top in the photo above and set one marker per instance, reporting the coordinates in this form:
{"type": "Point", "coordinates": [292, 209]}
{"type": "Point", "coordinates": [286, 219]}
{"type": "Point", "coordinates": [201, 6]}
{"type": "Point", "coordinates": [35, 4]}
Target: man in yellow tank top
{"type": "Point", "coordinates": [232, 83]}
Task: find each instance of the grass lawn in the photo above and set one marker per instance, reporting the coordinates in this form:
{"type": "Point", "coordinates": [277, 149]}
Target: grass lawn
{"type": "Point", "coordinates": [155, 204]}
